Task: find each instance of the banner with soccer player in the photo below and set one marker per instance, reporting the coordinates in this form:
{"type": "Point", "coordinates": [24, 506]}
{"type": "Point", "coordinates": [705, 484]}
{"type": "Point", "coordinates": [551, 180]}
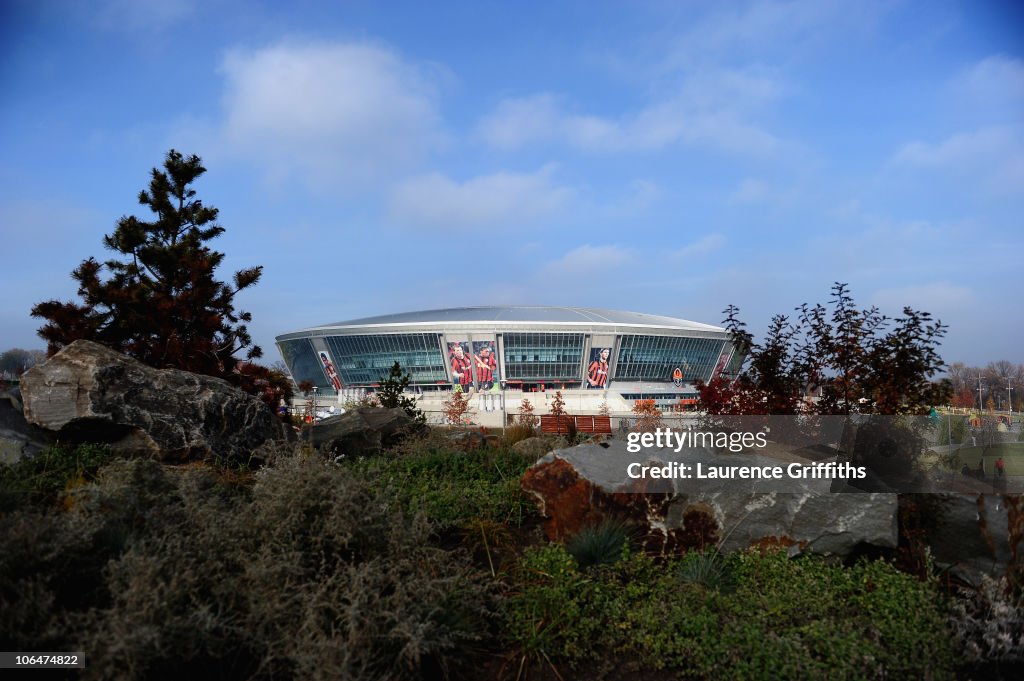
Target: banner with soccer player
{"type": "Point", "coordinates": [332, 373]}
{"type": "Point", "coordinates": [597, 370]}
{"type": "Point", "coordinates": [461, 364]}
{"type": "Point", "coordinates": [485, 365]}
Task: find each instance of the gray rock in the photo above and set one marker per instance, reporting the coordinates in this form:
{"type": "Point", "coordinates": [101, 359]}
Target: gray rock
{"type": "Point", "coordinates": [89, 393]}
{"type": "Point", "coordinates": [583, 485]}
{"type": "Point", "coordinates": [362, 431]}
{"type": "Point", "coordinates": [18, 438]}
{"type": "Point", "coordinates": [540, 445]}
{"type": "Point", "coordinates": [970, 533]}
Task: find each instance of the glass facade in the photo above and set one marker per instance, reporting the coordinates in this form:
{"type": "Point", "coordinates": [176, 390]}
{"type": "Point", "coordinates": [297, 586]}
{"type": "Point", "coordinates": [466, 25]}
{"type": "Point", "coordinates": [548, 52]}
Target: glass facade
{"type": "Point", "coordinates": [365, 360]}
{"type": "Point", "coordinates": [653, 358]}
{"type": "Point", "coordinates": [302, 362]}
{"type": "Point", "coordinates": [735, 363]}
{"type": "Point", "coordinates": [543, 356]}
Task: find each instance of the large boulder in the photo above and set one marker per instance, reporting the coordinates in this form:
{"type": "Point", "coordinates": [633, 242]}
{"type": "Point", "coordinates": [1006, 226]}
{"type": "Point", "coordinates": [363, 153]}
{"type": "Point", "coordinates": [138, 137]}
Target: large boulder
{"type": "Point", "coordinates": [970, 533]}
{"type": "Point", "coordinates": [90, 393]}
{"type": "Point", "coordinates": [18, 438]}
{"type": "Point", "coordinates": [587, 484]}
{"type": "Point", "coordinates": [362, 431]}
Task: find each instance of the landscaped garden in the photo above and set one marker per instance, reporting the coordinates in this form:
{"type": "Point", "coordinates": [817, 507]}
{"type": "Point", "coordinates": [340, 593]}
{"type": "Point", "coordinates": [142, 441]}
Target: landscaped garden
{"type": "Point", "coordinates": [429, 562]}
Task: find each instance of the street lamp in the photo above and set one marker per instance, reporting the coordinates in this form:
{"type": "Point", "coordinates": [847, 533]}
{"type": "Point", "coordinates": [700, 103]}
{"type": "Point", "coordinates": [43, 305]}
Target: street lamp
{"type": "Point", "coordinates": [313, 422]}
{"type": "Point", "coordinates": [1009, 400]}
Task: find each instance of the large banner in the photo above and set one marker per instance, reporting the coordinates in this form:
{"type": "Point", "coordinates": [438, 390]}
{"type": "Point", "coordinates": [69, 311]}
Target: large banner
{"type": "Point", "coordinates": [723, 362]}
{"type": "Point", "coordinates": [332, 373]}
{"type": "Point", "coordinates": [485, 364]}
{"type": "Point", "coordinates": [597, 371]}
{"type": "Point", "coordinates": [461, 363]}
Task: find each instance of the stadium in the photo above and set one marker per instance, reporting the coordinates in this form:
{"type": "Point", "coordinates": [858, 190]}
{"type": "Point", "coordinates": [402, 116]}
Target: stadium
{"type": "Point", "coordinates": [592, 355]}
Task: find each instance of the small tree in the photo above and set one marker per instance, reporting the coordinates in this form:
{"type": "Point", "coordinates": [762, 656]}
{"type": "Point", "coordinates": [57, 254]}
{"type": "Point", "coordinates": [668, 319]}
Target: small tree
{"type": "Point", "coordinates": [526, 415]}
{"type": "Point", "coordinates": [392, 393]}
{"type": "Point", "coordinates": [648, 416]}
{"type": "Point", "coordinates": [558, 411]}
{"type": "Point", "coordinates": [603, 409]}
{"type": "Point", "coordinates": [455, 408]}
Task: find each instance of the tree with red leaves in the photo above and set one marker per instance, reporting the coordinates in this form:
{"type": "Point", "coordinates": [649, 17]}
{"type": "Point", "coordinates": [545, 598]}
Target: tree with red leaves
{"type": "Point", "coordinates": [160, 301]}
{"type": "Point", "coordinates": [854, 360]}
{"type": "Point", "coordinates": [455, 408]}
{"type": "Point", "coordinates": [648, 416]}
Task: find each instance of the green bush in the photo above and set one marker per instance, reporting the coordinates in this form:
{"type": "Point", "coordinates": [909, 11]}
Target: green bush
{"type": "Point", "coordinates": [43, 477]}
{"type": "Point", "coordinates": [708, 568]}
{"type": "Point", "coordinates": [453, 488]}
{"type": "Point", "coordinates": [781, 618]}
{"type": "Point", "coordinates": [599, 544]}
{"type": "Point", "coordinates": [303, 571]}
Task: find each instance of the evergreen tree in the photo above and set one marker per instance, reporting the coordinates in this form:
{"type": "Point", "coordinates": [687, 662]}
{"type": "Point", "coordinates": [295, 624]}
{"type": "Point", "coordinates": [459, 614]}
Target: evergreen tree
{"type": "Point", "coordinates": [160, 301]}
{"type": "Point", "coordinates": [392, 393]}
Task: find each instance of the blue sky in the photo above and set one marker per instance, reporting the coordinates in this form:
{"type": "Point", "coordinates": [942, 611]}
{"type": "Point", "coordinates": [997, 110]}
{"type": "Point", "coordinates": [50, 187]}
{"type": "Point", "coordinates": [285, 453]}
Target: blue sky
{"type": "Point", "coordinates": [664, 157]}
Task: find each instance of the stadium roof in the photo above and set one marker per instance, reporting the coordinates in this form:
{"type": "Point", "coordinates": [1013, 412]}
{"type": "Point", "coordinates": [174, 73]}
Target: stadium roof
{"type": "Point", "coordinates": [538, 314]}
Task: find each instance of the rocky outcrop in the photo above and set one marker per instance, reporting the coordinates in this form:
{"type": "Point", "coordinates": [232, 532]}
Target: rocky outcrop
{"type": "Point", "coordinates": [89, 393]}
{"type": "Point", "coordinates": [971, 534]}
{"type": "Point", "coordinates": [363, 431]}
{"type": "Point", "coordinates": [18, 438]}
{"type": "Point", "coordinates": [585, 485]}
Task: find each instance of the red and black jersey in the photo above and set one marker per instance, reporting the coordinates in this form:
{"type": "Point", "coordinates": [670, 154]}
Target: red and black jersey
{"type": "Point", "coordinates": [598, 373]}
{"type": "Point", "coordinates": [485, 367]}
{"type": "Point", "coordinates": [463, 367]}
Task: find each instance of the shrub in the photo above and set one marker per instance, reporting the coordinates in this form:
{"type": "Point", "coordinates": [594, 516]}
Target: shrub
{"type": "Point", "coordinates": [517, 433]}
{"type": "Point", "coordinates": [599, 544]}
{"type": "Point", "coordinates": [452, 487]}
{"type": "Point", "coordinates": [48, 567]}
{"type": "Point", "coordinates": [43, 477]}
{"type": "Point", "coordinates": [784, 619]}
{"type": "Point", "coordinates": [301, 571]}
{"type": "Point", "coordinates": [709, 569]}
{"type": "Point", "coordinates": [988, 624]}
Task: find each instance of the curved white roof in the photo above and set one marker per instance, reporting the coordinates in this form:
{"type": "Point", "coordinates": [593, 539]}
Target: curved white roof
{"type": "Point", "coordinates": [525, 314]}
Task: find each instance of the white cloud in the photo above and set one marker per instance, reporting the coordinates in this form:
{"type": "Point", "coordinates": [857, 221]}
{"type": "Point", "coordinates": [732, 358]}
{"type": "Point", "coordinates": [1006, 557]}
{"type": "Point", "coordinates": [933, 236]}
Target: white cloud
{"type": "Point", "coordinates": [750, 190]}
{"type": "Point", "coordinates": [334, 113]}
{"type": "Point", "coordinates": [987, 155]}
{"type": "Point", "coordinates": [516, 122]}
{"type": "Point", "coordinates": [708, 108]}
{"type": "Point", "coordinates": [755, 29]}
{"type": "Point", "coordinates": [936, 297]}
{"type": "Point", "coordinates": [992, 157]}
{"type": "Point", "coordinates": [992, 87]}
{"type": "Point", "coordinates": [499, 199]}
{"type": "Point", "coordinates": [701, 247]}
{"type": "Point", "coordinates": [587, 259]}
